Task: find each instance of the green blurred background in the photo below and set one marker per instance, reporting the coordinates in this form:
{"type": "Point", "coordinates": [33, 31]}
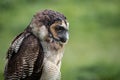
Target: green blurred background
{"type": "Point", "coordinates": [93, 51]}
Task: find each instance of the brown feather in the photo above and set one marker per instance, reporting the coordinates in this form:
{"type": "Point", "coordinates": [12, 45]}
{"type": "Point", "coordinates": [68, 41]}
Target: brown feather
{"type": "Point", "coordinates": [26, 61]}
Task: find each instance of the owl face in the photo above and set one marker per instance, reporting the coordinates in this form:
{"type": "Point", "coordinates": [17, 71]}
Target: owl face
{"type": "Point", "coordinates": [50, 26]}
{"type": "Point", "coordinates": [59, 31]}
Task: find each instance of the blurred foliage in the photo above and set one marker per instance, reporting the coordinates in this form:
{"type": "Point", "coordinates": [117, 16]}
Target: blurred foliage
{"type": "Point", "coordinates": [93, 50]}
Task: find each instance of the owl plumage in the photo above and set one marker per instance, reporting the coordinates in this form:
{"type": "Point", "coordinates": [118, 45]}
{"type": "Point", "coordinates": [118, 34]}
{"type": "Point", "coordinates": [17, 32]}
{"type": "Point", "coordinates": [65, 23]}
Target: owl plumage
{"type": "Point", "coordinates": [36, 53]}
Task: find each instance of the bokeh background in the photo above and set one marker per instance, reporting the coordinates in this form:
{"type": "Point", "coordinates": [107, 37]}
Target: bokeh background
{"type": "Point", "coordinates": [93, 51]}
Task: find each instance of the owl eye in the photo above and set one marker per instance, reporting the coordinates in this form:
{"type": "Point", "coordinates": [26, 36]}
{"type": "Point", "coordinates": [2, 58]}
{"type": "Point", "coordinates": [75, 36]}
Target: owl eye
{"type": "Point", "coordinates": [60, 28]}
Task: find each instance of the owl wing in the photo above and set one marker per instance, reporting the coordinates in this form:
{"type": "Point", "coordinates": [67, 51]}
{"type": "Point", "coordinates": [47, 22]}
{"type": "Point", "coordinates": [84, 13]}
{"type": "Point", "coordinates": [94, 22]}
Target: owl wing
{"type": "Point", "coordinates": [13, 49]}
{"type": "Point", "coordinates": [25, 57]}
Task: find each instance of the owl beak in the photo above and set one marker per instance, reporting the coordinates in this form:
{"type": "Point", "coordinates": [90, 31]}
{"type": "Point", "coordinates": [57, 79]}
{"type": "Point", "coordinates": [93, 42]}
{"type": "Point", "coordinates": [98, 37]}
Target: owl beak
{"type": "Point", "coordinates": [64, 38]}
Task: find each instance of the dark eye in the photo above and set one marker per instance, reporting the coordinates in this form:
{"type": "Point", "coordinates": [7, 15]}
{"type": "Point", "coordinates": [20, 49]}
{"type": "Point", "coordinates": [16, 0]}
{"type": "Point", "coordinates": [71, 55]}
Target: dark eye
{"type": "Point", "coordinates": [60, 28]}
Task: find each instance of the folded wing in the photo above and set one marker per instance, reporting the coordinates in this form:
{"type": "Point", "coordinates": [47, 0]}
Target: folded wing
{"type": "Point", "coordinates": [25, 57]}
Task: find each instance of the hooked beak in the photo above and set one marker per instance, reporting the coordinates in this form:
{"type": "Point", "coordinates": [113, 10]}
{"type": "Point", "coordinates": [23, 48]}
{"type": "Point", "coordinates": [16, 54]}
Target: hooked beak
{"type": "Point", "coordinates": [64, 37]}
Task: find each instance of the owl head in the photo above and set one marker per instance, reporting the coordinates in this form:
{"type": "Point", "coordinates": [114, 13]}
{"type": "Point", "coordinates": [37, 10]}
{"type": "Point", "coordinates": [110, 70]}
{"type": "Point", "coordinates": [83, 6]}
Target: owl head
{"type": "Point", "coordinates": [51, 26]}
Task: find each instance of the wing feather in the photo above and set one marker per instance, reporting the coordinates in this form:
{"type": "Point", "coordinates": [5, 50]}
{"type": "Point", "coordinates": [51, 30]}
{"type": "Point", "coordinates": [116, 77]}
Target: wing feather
{"type": "Point", "coordinates": [16, 44]}
{"type": "Point", "coordinates": [26, 58]}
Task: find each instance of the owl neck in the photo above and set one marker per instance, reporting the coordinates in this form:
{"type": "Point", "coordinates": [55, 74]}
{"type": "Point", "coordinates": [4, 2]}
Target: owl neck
{"type": "Point", "coordinates": [53, 51]}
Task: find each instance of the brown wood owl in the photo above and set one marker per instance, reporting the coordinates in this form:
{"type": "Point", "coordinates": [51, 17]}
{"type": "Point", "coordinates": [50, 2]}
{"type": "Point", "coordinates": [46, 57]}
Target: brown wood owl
{"type": "Point", "coordinates": [36, 53]}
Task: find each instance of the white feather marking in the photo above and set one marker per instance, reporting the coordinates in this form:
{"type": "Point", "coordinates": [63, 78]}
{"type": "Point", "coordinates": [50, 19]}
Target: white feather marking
{"type": "Point", "coordinates": [17, 44]}
{"type": "Point", "coordinates": [67, 36]}
{"type": "Point", "coordinates": [43, 32]}
{"type": "Point", "coordinates": [67, 25]}
{"type": "Point", "coordinates": [63, 23]}
{"type": "Point", "coordinates": [40, 32]}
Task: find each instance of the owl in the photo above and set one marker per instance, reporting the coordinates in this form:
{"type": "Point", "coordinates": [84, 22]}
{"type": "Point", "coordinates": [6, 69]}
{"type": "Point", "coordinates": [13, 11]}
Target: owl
{"type": "Point", "coordinates": [36, 53]}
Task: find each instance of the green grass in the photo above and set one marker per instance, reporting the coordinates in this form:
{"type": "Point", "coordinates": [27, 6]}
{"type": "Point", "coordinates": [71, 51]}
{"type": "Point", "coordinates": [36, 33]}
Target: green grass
{"type": "Point", "coordinates": [93, 50]}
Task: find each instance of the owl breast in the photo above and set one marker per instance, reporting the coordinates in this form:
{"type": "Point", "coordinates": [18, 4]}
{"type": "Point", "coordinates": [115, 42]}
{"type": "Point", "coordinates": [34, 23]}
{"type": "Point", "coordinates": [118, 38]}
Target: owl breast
{"type": "Point", "coordinates": [51, 62]}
